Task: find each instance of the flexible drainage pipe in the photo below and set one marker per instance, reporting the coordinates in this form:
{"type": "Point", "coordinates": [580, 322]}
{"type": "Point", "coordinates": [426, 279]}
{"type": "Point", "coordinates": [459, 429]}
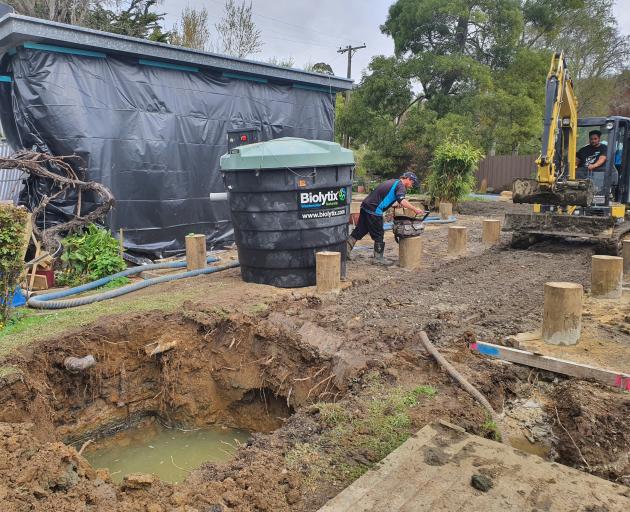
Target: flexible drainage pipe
{"type": "Point", "coordinates": [47, 301]}
{"type": "Point", "coordinates": [429, 220]}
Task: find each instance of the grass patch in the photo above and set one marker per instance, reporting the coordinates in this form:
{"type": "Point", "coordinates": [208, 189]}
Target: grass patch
{"type": "Point", "coordinates": [30, 325]}
{"type": "Point", "coordinates": [490, 430]}
{"type": "Point", "coordinates": [355, 437]}
{"type": "Point", "coordinates": [115, 283]}
{"type": "Point", "coordinates": [8, 371]}
{"type": "Point", "coordinates": [258, 308]}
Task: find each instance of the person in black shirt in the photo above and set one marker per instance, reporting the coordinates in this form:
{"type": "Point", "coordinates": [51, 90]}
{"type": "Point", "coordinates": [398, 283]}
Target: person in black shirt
{"type": "Point", "coordinates": [592, 157]}
{"type": "Point", "coordinates": [372, 209]}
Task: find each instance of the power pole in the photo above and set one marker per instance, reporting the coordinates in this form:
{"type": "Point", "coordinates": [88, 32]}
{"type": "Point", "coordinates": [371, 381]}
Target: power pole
{"type": "Point", "coordinates": [350, 50]}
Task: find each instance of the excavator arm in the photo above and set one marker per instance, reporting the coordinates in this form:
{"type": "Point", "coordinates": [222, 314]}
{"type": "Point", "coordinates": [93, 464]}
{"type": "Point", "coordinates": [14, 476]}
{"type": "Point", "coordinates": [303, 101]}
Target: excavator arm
{"type": "Point", "coordinates": [555, 182]}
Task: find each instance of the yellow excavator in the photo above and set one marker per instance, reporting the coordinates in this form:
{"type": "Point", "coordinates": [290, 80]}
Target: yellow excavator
{"type": "Point", "coordinates": [570, 201]}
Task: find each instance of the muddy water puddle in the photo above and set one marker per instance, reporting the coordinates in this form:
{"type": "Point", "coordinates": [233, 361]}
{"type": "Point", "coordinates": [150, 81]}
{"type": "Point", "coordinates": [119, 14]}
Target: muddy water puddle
{"type": "Point", "coordinates": [170, 454]}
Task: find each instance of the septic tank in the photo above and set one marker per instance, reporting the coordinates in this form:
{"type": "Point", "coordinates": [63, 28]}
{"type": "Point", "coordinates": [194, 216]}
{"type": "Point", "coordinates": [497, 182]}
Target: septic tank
{"type": "Point", "coordinates": [289, 199]}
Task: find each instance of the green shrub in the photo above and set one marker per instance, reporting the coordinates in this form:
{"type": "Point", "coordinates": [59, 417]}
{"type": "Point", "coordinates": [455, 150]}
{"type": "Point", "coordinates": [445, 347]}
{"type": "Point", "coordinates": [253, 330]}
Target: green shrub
{"type": "Point", "coordinates": [90, 255]}
{"type": "Point", "coordinates": [12, 228]}
{"type": "Point", "coordinates": [452, 173]}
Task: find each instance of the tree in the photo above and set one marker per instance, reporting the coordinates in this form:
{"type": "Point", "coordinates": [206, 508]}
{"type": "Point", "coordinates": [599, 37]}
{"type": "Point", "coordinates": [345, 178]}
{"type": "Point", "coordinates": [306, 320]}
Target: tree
{"type": "Point", "coordinates": [136, 18]}
{"type": "Point", "coordinates": [450, 45]}
{"type": "Point", "coordinates": [319, 67]}
{"type": "Point", "coordinates": [509, 114]}
{"type": "Point", "coordinates": [287, 62]}
{"type": "Point", "coordinates": [192, 30]}
{"type": "Point", "coordinates": [237, 31]}
{"type": "Point", "coordinates": [74, 12]}
{"type": "Point", "coordinates": [596, 51]}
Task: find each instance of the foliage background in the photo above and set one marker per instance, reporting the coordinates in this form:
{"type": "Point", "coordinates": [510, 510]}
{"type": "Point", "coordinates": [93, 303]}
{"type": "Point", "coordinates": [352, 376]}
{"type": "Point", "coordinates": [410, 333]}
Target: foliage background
{"type": "Point", "coordinates": [475, 70]}
{"type": "Point", "coordinates": [12, 228]}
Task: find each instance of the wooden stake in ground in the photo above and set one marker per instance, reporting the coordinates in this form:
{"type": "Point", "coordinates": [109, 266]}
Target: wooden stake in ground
{"type": "Point", "coordinates": [457, 240]}
{"type": "Point", "coordinates": [562, 313]}
{"type": "Point", "coordinates": [446, 210]}
{"type": "Point", "coordinates": [626, 257]}
{"type": "Point", "coordinates": [491, 231]}
{"type": "Point", "coordinates": [410, 252]}
{"type": "Point", "coordinates": [606, 277]}
{"type": "Point", "coordinates": [328, 271]}
{"type": "Point", "coordinates": [195, 252]}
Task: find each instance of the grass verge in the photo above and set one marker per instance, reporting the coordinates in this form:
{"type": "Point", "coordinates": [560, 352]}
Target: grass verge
{"type": "Point", "coordinates": [356, 436]}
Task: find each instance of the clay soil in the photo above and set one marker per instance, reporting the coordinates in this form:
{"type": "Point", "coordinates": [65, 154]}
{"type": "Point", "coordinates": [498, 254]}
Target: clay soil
{"type": "Point", "coordinates": [329, 384]}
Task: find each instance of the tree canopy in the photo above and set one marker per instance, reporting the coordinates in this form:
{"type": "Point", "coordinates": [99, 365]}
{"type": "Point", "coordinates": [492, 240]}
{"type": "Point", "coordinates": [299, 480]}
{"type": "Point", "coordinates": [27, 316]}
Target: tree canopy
{"type": "Point", "coordinates": [475, 70]}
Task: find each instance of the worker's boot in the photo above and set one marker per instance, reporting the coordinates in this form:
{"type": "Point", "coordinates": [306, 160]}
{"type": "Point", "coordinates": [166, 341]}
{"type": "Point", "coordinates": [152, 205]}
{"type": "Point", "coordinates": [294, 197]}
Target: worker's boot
{"type": "Point", "coordinates": [379, 254]}
{"type": "Point", "coordinates": [349, 246]}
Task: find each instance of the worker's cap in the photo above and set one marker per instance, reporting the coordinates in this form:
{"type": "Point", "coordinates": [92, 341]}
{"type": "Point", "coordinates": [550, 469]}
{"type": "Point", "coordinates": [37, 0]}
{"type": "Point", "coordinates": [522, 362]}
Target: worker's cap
{"type": "Point", "coordinates": [412, 177]}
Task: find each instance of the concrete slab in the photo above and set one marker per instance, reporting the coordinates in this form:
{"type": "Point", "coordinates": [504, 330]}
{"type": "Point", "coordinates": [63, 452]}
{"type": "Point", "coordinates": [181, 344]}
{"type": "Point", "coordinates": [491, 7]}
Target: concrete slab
{"type": "Point", "coordinates": [432, 471]}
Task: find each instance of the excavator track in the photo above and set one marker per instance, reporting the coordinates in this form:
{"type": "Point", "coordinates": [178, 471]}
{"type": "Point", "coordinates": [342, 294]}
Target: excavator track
{"type": "Point", "coordinates": [529, 229]}
{"type": "Point", "coordinates": [614, 245]}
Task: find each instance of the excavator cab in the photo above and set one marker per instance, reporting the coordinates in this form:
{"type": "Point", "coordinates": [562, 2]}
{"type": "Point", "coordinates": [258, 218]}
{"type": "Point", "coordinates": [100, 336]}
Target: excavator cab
{"type": "Point", "coordinates": [569, 201]}
{"type": "Point", "coordinates": [611, 182]}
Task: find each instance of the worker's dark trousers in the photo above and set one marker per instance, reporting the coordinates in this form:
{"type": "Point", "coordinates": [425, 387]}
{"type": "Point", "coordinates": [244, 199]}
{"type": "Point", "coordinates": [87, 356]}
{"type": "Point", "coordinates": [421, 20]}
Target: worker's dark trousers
{"type": "Point", "coordinates": [368, 223]}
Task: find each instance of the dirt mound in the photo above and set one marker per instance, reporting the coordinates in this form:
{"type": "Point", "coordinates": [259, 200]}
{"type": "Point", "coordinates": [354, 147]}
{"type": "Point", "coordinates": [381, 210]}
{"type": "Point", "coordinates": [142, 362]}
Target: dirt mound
{"type": "Point", "coordinates": [591, 428]}
{"type": "Point", "coordinates": [47, 476]}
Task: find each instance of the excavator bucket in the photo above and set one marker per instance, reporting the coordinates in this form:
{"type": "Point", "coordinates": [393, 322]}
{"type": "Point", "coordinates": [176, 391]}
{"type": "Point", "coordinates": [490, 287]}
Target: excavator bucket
{"type": "Point", "coordinates": [564, 193]}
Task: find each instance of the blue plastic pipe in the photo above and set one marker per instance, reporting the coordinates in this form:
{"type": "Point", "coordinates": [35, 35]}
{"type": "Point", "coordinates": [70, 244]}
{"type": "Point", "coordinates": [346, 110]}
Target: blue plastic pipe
{"type": "Point", "coordinates": [47, 301]}
{"type": "Point", "coordinates": [436, 219]}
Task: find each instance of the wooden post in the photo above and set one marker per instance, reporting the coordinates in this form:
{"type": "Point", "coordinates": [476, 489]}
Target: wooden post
{"type": "Point", "coordinates": [562, 313]}
{"type": "Point", "coordinates": [328, 271]}
{"type": "Point", "coordinates": [446, 210]}
{"type": "Point", "coordinates": [410, 252]}
{"type": "Point", "coordinates": [195, 252]}
{"type": "Point", "coordinates": [626, 257]}
{"type": "Point", "coordinates": [606, 277]}
{"type": "Point", "coordinates": [457, 240]}
{"type": "Point", "coordinates": [121, 241]}
{"type": "Point", "coordinates": [491, 231]}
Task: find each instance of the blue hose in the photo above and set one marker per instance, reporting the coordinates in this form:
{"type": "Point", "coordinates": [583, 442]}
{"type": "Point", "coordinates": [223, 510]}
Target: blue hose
{"type": "Point", "coordinates": [436, 219]}
{"type": "Point", "coordinates": [47, 301]}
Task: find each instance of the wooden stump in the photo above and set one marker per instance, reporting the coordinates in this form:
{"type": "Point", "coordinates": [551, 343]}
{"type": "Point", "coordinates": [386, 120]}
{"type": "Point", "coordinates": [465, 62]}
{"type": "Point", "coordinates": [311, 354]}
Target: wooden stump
{"type": "Point", "coordinates": [626, 257]}
{"type": "Point", "coordinates": [328, 271]}
{"type": "Point", "coordinates": [446, 210]}
{"type": "Point", "coordinates": [562, 313]}
{"type": "Point", "coordinates": [606, 277]}
{"type": "Point", "coordinates": [457, 240]}
{"type": "Point", "coordinates": [195, 252]}
{"type": "Point", "coordinates": [410, 252]}
{"type": "Point", "coordinates": [491, 231]}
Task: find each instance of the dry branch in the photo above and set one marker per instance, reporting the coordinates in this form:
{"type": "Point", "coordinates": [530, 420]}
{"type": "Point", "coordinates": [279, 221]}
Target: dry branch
{"type": "Point", "coordinates": [64, 178]}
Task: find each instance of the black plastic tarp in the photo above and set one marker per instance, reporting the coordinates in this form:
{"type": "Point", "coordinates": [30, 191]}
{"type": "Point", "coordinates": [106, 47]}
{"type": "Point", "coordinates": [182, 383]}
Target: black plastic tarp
{"type": "Point", "coordinates": [152, 135]}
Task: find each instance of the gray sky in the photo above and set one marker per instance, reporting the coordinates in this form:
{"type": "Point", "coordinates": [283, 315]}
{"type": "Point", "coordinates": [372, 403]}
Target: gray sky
{"type": "Point", "coordinates": [313, 30]}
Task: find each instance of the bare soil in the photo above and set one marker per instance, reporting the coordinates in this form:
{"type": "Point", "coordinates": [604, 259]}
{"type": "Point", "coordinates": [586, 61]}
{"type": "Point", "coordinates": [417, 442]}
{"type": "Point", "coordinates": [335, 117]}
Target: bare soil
{"type": "Point", "coordinates": [331, 384]}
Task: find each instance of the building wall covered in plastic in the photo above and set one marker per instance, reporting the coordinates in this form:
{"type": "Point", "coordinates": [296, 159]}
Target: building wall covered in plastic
{"type": "Point", "coordinates": [152, 134]}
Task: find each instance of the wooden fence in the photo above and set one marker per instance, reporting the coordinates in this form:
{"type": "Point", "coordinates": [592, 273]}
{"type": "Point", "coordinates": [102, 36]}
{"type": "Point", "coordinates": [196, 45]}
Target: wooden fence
{"type": "Point", "coordinates": [500, 171]}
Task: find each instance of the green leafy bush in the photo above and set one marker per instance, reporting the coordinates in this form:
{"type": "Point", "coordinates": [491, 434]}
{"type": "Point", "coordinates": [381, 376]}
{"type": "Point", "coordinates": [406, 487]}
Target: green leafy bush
{"type": "Point", "coordinates": [12, 228]}
{"type": "Point", "coordinates": [90, 255]}
{"type": "Point", "coordinates": [452, 174]}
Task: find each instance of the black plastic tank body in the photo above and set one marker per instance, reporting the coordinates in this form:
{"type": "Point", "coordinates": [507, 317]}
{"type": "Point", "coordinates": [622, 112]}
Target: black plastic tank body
{"type": "Point", "coordinates": [289, 199]}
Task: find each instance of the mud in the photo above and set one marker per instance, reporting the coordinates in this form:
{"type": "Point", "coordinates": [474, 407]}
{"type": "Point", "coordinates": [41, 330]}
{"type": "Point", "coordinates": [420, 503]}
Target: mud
{"type": "Point", "coordinates": [274, 371]}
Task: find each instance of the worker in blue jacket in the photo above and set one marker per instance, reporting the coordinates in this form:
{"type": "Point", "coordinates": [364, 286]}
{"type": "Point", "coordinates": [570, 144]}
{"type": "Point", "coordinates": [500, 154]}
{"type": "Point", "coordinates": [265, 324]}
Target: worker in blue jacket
{"type": "Point", "coordinates": [375, 204]}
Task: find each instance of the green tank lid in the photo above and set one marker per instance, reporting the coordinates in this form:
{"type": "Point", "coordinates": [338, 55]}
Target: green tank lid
{"type": "Point", "coordinates": [289, 152]}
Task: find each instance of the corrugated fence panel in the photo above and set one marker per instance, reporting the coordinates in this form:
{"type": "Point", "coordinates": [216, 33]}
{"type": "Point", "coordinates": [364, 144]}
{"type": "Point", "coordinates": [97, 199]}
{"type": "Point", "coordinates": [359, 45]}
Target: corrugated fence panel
{"type": "Point", "coordinates": [500, 171]}
{"type": "Point", "coordinates": [10, 179]}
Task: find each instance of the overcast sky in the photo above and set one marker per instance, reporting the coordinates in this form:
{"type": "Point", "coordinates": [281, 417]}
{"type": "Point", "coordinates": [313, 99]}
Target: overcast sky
{"type": "Point", "coordinates": [313, 30]}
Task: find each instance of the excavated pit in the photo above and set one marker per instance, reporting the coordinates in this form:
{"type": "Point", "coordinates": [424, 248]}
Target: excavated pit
{"type": "Point", "coordinates": [186, 371]}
